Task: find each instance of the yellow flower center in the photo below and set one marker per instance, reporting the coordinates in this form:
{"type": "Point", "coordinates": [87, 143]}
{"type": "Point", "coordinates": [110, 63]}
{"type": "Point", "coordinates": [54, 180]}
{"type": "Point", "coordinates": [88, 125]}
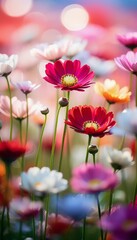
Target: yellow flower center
{"type": "Point", "coordinates": [38, 184]}
{"type": "Point", "coordinates": [94, 183]}
{"type": "Point", "coordinates": [69, 80]}
{"type": "Point", "coordinates": [91, 124]}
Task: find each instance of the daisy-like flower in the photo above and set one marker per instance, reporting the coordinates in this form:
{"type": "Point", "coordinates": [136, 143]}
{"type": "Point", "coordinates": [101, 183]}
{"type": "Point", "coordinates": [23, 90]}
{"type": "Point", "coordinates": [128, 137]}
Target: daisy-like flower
{"type": "Point", "coordinates": [24, 209]}
{"type": "Point", "coordinates": [42, 181]}
{"type": "Point", "coordinates": [51, 52]}
{"type": "Point", "coordinates": [11, 150]}
{"type": "Point", "coordinates": [75, 46]}
{"type": "Point", "coordinates": [127, 62]}
{"type": "Point", "coordinates": [89, 120]}
{"type": "Point", "coordinates": [119, 159]}
{"type": "Point", "coordinates": [129, 40]}
{"type": "Point", "coordinates": [19, 110]}
{"type": "Point", "coordinates": [111, 91]}
{"type": "Point", "coordinates": [69, 75]}
{"type": "Point", "coordinates": [7, 64]}
{"type": "Point", "coordinates": [25, 86]}
{"type": "Point", "coordinates": [90, 178]}
{"type": "Point", "coordinates": [127, 121]}
{"type": "Point", "coordinates": [122, 223]}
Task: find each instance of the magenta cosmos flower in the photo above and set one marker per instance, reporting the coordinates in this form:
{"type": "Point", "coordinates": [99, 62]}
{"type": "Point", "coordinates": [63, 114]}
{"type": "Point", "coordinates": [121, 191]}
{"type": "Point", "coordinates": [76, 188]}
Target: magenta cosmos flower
{"type": "Point", "coordinates": [90, 178]}
{"type": "Point", "coordinates": [89, 120]}
{"type": "Point", "coordinates": [127, 62]}
{"type": "Point", "coordinates": [129, 40]}
{"type": "Point", "coordinates": [69, 75]}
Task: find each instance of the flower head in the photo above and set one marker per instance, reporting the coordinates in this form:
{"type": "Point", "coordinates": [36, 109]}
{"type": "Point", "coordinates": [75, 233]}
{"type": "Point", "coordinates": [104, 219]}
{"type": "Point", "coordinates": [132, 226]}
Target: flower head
{"type": "Point", "coordinates": [89, 120]}
{"type": "Point", "coordinates": [11, 150]}
{"type": "Point", "coordinates": [129, 39]}
{"type": "Point", "coordinates": [111, 91]}
{"type": "Point", "coordinates": [128, 62]}
{"type": "Point", "coordinates": [75, 46]}
{"type": "Point", "coordinates": [119, 159]}
{"type": "Point", "coordinates": [89, 178]}
{"type": "Point", "coordinates": [41, 181]}
{"type": "Point", "coordinates": [69, 75]}
{"type": "Point", "coordinates": [24, 209]}
{"type": "Point", "coordinates": [122, 223]}
{"type": "Point", "coordinates": [19, 109]}
{"type": "Point", "coordinates": [7, 64]}
{"type": "Point", "coordinates": [25, 86]}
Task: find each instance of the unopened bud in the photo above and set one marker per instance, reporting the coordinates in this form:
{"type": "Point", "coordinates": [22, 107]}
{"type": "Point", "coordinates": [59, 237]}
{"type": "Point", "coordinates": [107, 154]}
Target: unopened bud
{"type": "Point", "coordinates": [93, 149]}
{"type": "Point", "coordinates": [63, 102]}
{"type": "Point", "coordinates": [45, 111]}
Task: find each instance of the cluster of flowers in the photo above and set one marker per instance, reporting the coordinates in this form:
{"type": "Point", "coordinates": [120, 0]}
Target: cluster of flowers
{"type": "Point", "coordinates": [29, 197]}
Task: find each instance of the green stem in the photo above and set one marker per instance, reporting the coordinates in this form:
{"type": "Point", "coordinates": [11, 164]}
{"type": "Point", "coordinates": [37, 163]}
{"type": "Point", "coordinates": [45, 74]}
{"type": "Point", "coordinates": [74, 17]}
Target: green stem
{"type": "Point", "coordinates": [122, 143]}
{"type": "Point", "coordinates": [135, 191]}
{"type": "Point", "coordinates": [33, 227]}
{"type": "Point", "coordinates": [11, 118]}
{"type": "Point", "coordinates": [20, 129]}
{"type": "Point", "coordinates": [64, 133]}
{"type": "Point", "coordinates": [99, 214]}
{"type": "Point", "coordinates": [84, 229]}
{"type": "Point", "coordinates": [124, 184]}
{"type": "Point", "coordinates": [130, 81]}
{"type": "Point", "coordinates": [20, 230]}
{"type": "Point", "coordinates": [40, 142]}
{"type": "Point", "coordinates": [89, 141]}
{"type": "Point", "coordinates": [27, 118]}
{"type": "Point", "coordinates": [47, 213]}
{"type": "Point", "coordinates": [54, 139]}
{"type": "Point", "coordinates": [94, 159]}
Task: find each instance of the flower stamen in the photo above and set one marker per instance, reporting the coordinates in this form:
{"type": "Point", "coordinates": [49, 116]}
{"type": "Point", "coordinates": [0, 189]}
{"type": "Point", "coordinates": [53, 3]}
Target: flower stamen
{"type": "Point", "coordinates": [91, 124]}
{"type": "Point", "coordinates": [69, 80]}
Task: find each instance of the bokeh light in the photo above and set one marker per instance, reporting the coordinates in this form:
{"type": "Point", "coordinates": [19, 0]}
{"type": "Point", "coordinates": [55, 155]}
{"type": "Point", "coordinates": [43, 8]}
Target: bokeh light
{"type": "Point", "coordinates": [16, 8]}
{"type": "Point", "coordinates": [74, 17]}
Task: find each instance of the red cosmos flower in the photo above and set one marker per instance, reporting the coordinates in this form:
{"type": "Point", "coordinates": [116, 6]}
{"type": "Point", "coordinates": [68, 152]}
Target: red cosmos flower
{"type": "Point", "coordinates": [89, 120]}
{"type": "Point", "coordinates": [11, 150]}
{"type": "Point", "coordinates": [69, 75]}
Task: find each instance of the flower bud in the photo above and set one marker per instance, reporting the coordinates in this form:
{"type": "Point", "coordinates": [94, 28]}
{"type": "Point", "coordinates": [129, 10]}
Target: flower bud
{"type": "Point", "coordinates": [45, 111]}
{"type": "Point", "coordinates": [63, 102]}
{"type": "Point", "coordinates": [93, 149]}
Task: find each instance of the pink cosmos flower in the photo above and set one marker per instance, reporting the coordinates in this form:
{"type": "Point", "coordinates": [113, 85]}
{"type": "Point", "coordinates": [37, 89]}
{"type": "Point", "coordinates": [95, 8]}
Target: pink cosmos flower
{"type": "Point", "coordinates": [129, 40]}
{"type": "Point", "coordinates": [25, 86]}
{"type": "Point", "coordinates": [89, 178]}
{"type": "Point", "coordinates": [19, 110]}
{"type": "Point", "coordinates": [127, 62]}
{"type": "Point", "coordinates": [69, 75]}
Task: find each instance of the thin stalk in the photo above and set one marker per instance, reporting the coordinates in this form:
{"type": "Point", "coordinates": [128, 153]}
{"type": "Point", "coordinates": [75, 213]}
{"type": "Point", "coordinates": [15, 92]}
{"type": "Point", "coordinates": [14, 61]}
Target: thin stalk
{"type": "Point", "coordinates": [124, 184]}
{"type": "Point", "coordinates": [27, 118]}
{"type": "Point", "coordinates": [135, 191]}
{"type": "Point", "coordinates": [89, 141]}
{"type": "Point", "coordinates": [20, 129]}
{"type": "Point", "coordinates": [20, 230]}
{"type": "Point", "coordinates": [40, 142]}
{"type": "Point", "coordinates": [94, 158]}
{"type": "Point", "coordinates": [11, 118]}
{"type": "Point", "coordinates": [54, 139]}
{"type": "Point", "coordinates": [64, 134]}
{"type": "Point", "coordinates": [41, 225]}
{"type": "Point", "coordinates": [33, 228]}
{"type": "Point", "coordinates": [122, 143]}
{"type": "Point", "coordinates": [47, 213]}
{"type": "Point", "coordinates": [84, 229]}
{"type": "Point", "coordinates": [99, 214]}
{"type": "Point", "coordinates": [130, 81]}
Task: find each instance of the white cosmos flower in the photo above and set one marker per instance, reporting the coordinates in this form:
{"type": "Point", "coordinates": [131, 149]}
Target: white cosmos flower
{"type": "Point", "coordinates": [42, 181]}
{"type": "Point", "coordinates": [19, 108]}
{"type": "Point", "coordinates": [7, 64]}
{"type": "Point", "coordinates": [119, 159]}
{"type": "Point", "coordinates": [75, 46]}
{"type": "Point", "coordinates": [25, 86]}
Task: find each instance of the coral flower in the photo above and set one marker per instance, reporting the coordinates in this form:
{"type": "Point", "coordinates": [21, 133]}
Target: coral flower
{"type": "Point", "coordinates": [11, 150]}
{"type": "Point", "coordinates": [90, 178]}
{"type": "Point", "coordinates": [69, 75]}
{"type": "Point", "coordinates": [127, 62]}
{"type": "Point", "coordinates": [89, 120]}
{"type": "Point", "coordinates": [129, 40]}
{"type": "Point", "coordinates": [111, 92]}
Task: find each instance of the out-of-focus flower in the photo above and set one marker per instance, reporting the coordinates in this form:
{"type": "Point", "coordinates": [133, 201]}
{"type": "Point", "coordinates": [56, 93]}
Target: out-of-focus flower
{"type": "Point", "coordinates": [58, 224]}
{"type": "Point", "coordinates": [69, 75]}
{"type": "Point", "coordinates": [101, 67]}
{"type": "Point", "coordinates": [24, 209]}
{"type": "Point", "coordinates": [111, 91]}
{"type": "Point", "coordinates": [7, 64]}
{"type": "Point", "coordinates": [89, 120]}
{"type": "Point", "coordinates": [129, 40]}
{"type": "Point", "coordinates": [76, 206]}
{"type": "Point", "coordinates": [50, 52]}
{"type": "Point", "coordinates": [25, 86]}
{"type": "Point", "coordinates": [42, 181]}
{"type": "Point", "coordinates": [127, 121]}
{"type": "Point", "coordinates": [119, 159]}
{"type": "Point", "coordinates": [11, 150]}
{"type": "Point", "coordinates": [19, 109]}
{"type": "Point", "coordinates": [122, 223]}
{"type": "Point", "coordinates": [89, 178]}
{"type": "Point", "coordinates": [127, 62]}
{"type": "Point", "coordinates": [75, 46]}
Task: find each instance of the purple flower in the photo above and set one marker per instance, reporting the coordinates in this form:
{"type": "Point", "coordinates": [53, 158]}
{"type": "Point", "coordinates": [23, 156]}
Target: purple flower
{"type": "Point", "coordinates": [25, 86]}
{"type": "Point", "coordinates": [122, 223]}
{"type": "Point", "coordinates": [89, 178]}
{"type": "Point", "coordinates": [127, 62]}
{"type": "Point", "coordinates": [129, 40]}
